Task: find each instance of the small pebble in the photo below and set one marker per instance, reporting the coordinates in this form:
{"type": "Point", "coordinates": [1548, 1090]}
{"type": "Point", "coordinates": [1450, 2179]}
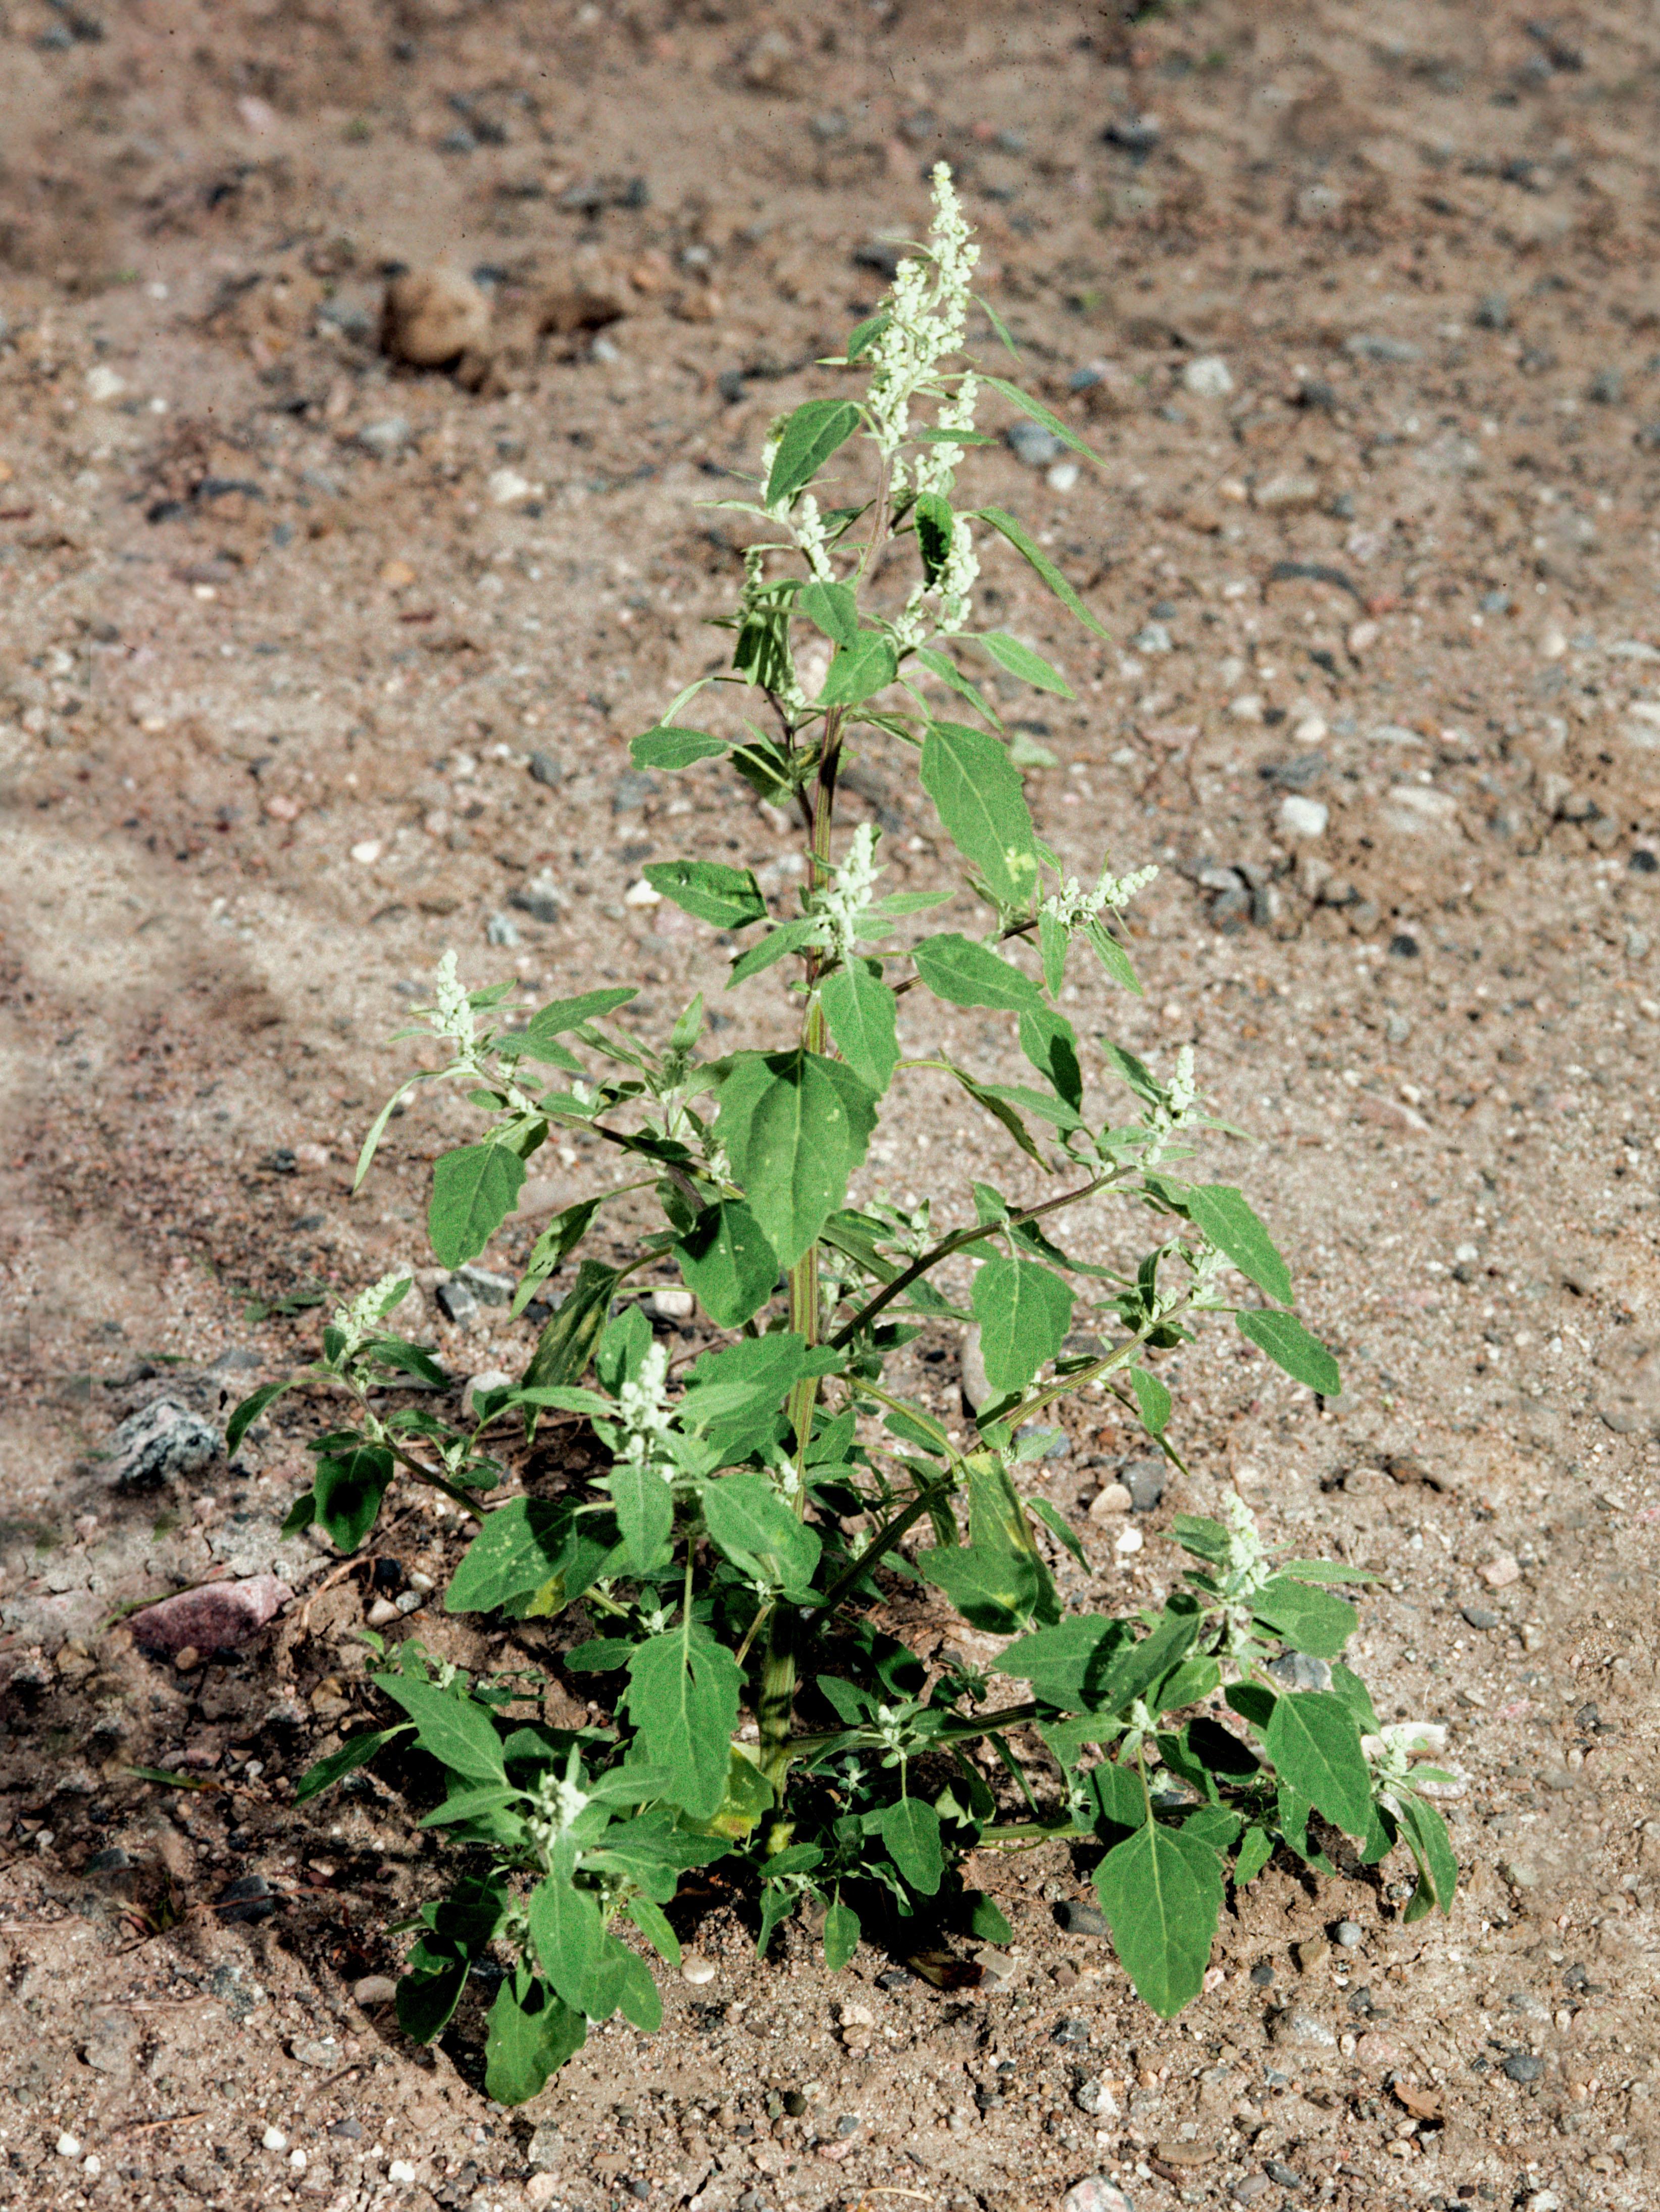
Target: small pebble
{"type": "Point", "coordinates": [374, 1990]}
{"type": "Point", "coordinates": [1525, 2066]}
{"type": "Point", "coordinates": [1263, 1973]}
{"type": "Point", "coordinates": [274, 2139]}
{"type": "Point", "coordinates": [1095, 2193]}
{"type": "Point", "coordinates": [1479, 1616]}
{"type": "Point", "coordinates": [1208, 377]}
{"type": "Point", "coordinates": [1031, 443]}
{"type": "Point", "coordinates": [400, 2170]}
{"type": "Point", "coordinates": [68, 2147]}
{"type": "Point", "coordinates": [381, 1614]}
{"type": "Point", "coordinates": [1078, 1919]}
{"type": "Point", "coordinates": [297, 2160]}
{"type": "Point", "coordinates": [696, 1970]}
{"type": "Point", "coordinates": [1349, 1933]}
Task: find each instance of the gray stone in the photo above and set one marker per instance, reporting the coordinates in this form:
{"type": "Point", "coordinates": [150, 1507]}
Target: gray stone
{"type": "Point", "coordinates": [1479, 1616]}
{"type": "Point", "coordinates": [457, 1304]}
{"type": "Point", "coordinates": [1349, 1933]}
{"type": "Point", "coordinates": [161, 1442]}
{"type": "Point", "coordinates": [631, 791]}
{"type": "Point", "coordinates": [1302, 2029]}
{"type": "Point", "coordinates": [1607, 388]}
{"type": "Point", "coordinates": [1525, 2066]}
{"type": "Point", "coordinates": [1248, 2190]}
{"type": "Point", "coordinates": [1492, 312]}
{"type": "Point", "coordinates": [488, 1287]}
{"type": "Point", "coordinates": [542, 2151]}
{"type": "Point", "coordinates": [544, 768]}
{"type": "Point", "coordinates": [1133, 134]}
{"type": "Point", "coordinates": [1287, 2176]}
{"type": "Point", "coordinates": [1144, 1478]}
{"type": "Point", "coordinates": [539, 898]}
{"type": "Point", "coordinates": [1366, 347]}
{"type": "Point", "coordinates": [1077, 1919]}
{"type": "Point", "coordinates": [1299, 1670]}
{"type": "Point", "coordinates": [385, 437]}
{"type": "Point", "coordinates": [501, 929]}
{"type": "Point", "coordinates": [1031, 443]}
{"type": "Point", "coordinates": [1152, 637]}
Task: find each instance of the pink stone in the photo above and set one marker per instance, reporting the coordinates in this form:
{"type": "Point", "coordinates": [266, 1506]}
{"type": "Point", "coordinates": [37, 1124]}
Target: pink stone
{"type": "Point", "coordinates": [216, 1617]}
{"type": "Point", "coordinates": [1374, 2050]}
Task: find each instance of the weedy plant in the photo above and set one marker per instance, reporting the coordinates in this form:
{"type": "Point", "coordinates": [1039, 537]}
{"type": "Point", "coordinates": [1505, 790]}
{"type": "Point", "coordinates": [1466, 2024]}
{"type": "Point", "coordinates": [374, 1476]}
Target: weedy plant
{"type": "Point", "coordinates": [758, 1716]}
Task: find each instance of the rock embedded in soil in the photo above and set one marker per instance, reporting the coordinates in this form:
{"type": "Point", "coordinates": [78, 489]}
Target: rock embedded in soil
{"type": "Point", "coordinates": [1076, 1919]}
{"type": "Point", "coordinates": [1096, 2193]}
{"type": "Point", "coordinates": [1144, 1478]}
{"type": "Point", "coordinates": [216, 1617]}
{"type": "Point", "coordinates": [161, 1442]}
{"type": "Point", "coordinates": [431, 317]}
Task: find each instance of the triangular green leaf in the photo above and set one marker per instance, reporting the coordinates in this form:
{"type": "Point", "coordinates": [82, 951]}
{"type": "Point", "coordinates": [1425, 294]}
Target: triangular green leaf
{"type": "Point", "coordinates": [1315, 1745]}
{"type": "Point", "coordinates": [1161, 1891]}
{"type": "Point", "coordinates": [859, 1009]}
{"type": "Point", "coordinates": [1289, 1345]}
{"type": "Point", "coordinates": [1025, 1310]}
{"type": "Point", "coordinates": [981, 801]}
{"type": "Point", "coordinates": [474, 1191]}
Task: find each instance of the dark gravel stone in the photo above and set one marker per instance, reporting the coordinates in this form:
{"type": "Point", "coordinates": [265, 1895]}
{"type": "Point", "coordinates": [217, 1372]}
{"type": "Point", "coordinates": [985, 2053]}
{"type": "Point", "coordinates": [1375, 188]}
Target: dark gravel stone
{"type": "Point", "coordinates": [456, 1303]}
{"type": "Point", "coordinates": [1285, 2175]}
{"type": "Point", "coordinates": [1081, 1919]}
{"type": "Point", "coordinates": [1404, 946]}
{"type": "Point", "coordinates": [248, 1900]}
{"type": "Point", "coordinates": [161, 1442]}
{"type": "Point", "coordinates": [1263, 1974]}
{"type": "Point", "coordinates": [1478, 1616]}
{"type": "Point", "coordinates": [1144, 1478]}
{"type": "Point", "coordinates": [489, 1289]}
{"type": "Point", "coordinates": [544, 768]}
{"type": "Point", "coordinates": [1524, 2066]}
{"type": "Point", "coordinates": [1643, 862]}
{"type": "Point", "coordinates": [1492, 312]}
{"type": "Point", "coordinates": [1072, 2032]}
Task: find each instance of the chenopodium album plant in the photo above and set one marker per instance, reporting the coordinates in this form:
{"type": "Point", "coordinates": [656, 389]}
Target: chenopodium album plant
{"type": "Point", "coordinates": [727, 1563]}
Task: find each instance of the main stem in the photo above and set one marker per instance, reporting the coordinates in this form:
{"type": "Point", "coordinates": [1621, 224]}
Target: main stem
{"type": "Point", "coordinates": [776, 1705]}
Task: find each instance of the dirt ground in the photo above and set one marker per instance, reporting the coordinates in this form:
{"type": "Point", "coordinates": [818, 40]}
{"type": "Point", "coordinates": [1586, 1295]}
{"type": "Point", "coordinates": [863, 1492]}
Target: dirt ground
{"type": "Point", "coordinates": [315, 664]}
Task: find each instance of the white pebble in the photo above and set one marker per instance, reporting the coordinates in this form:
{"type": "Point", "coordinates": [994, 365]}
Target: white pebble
{"type": "Point", "coordinates": [68, 2147]}
{"type": "Point", "coordinates": [1131, 1541]}
{"type": "Point", "coordinates": [92, 2166]}
{"type": "Point", "coordinates": [274, 2139]}
{"type": "Point", "coordinates": [367, 849]}
{"type": "Point", "coordinates": [1208, 378]}
{"type": "Point", "coordinates": [400, 2170]}
{"type": "Point", "coordinates": [641, 894]}
{"type": "Point", "coordinates": [696, 1970]}
{"type": "Point", "coordinates": [1303, 817]}
{"type": "Point", "coordinates": [1063, 477]}
{"type": "Point", "coordinates": [297, 2160]}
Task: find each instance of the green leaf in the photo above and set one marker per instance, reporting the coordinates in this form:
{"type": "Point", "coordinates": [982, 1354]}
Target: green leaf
{"type": "Point", "coordinates": [1426, 1836]}
{"type": "Point", "coordinates": [569, 1336]}
{"type": "Point", "coordinates": [1311, 1620]}
{"type": "Point", "coordinates": [357, 1752]}
{"type": "Point", "coordinates": [751, 1523]}
{"type": "Point", "coordinates": [1161, 1891]}
{"type": "Point", "coordinates": [1120, 1801]}
{"type": "Point", "coordinates": [841, 1935]}
{"type": "Point", "coordinates": [941, 665]}
{"type": "Point", "coordinates": [474, 1191]}
{"type": "Point", "coordinates": [1153, 1401]}
{"type": "Point", "coordinates": [964, 974]}
{"type": "Point", "coordinates": [553, 1247]}
{"type": "Point", "coordinates": [1289, 1344]}
{"type": "Point", "coordinates": [1051, 1043]}
{"type": "Point", "coordinates": [864, 335]}
{"type": "Point", "coordinates": [1057, 1527]}
{"type": "Point", "coordinates": [859, 1009]}
{"type": "Point", "coordinates": [521, 1546]}
{"type": "Point", "coordinates": [1020, 661]}
{"type": "Point", "coordinates": [1035, 411]}
{"type": "Point", "coordinates": [653, 1924]}
{"type": "Point", "coordinates": [1133, 1672]}
{"type": "Point", "coordinates": [728, 897]}
{"type": "Point", "coordinates": [348, 1490]}
{"type": "Point", "coordinates": [911, 1830]}
{"type": "Point", "coordinates": [778, 943]}
{"type": "Point", "coordinates": [1316, 1749]}
{"type": "Point", "coordinates": [795, 1125]}
{"type": "Point", "coordinates": [249, 1412]}
{"type": "Point", "coordinates": [532, 2033]}
{"type": "Point", "coordinates": [811, 434]}
{"type": "Point", "coordinates": [1113, 957]}
{"type": "Point", "coordinates": [1024, 1311]}
{"type": "Point", "coordinates": [981, 801]}
{"type": "Point", "coordinates": [934, 525]}
{"type": "Point", "coordinates": [859, 670]}
{"type": "Point", "coordinates": [426, 2002]}
{"type": "Point", "coordinates": [1227, 1219]}
{"type": "Point", "coordinates": [637, 1993]}
{"type": "Point", "coordinates": [1256, 1850]}
{"type": "Point", "coordinates": [727, 1263]}
{"type": "Point", "coordinates": [996, 1590]}
{"type": "Point", "coordinates": [833, 608]}
{"type": "Point", "coordinates": [1039, 560]}
{"type": "Point", "coordinates": [674, 748]}
{"type": "Point", "coordinates": [683, 1698]}
{"type": "Point", "coordinates": [561, 1016]}
{"type": "Point", "coordinates": [458, 1733]}
{"type": "Point", "coordinates": [569, 1939]}
{"type": "Point", "coordinates": [987, 1922]}
{"type": "Point", "coordinates": [645, 1509]}
{"type": "Point", "coordinates": [1000, 1110]}
{"type": "Point", "coordinates": [300, 1515]}
{"type": "Point", "coordinates": [1051, 948]}
{"type": "Point", "coordinates": [1353, 1691]}
{"type": "Point", "coordinates": [1068, 1664]}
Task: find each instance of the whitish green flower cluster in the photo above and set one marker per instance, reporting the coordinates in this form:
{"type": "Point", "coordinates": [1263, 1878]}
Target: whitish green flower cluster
{"type": "Point", "coordinates": [945, 603]}
{"type": "Point", "coordinates": [646, 1416]}
{"type": "Point", "coordinates": [928, 318]}
{"type": "Point", "coordinates": [557, 1801]}
{"type": "Point", "coordinates": [846, 901]}
{"type": "Point", "coordinates": [935, 469]}
{"type": "Point", "coordinates": [1072, 903]}
{"type": "Point", "coordinates": [361, 1321]}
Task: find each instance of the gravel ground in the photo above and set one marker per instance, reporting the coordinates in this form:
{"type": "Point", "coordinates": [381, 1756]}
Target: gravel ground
{"type": "Point", "coordinates": [316, 663]}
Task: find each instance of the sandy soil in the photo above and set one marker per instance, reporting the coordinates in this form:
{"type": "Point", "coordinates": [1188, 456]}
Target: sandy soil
{"type": "Point", "coordinates": [315, 664]}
